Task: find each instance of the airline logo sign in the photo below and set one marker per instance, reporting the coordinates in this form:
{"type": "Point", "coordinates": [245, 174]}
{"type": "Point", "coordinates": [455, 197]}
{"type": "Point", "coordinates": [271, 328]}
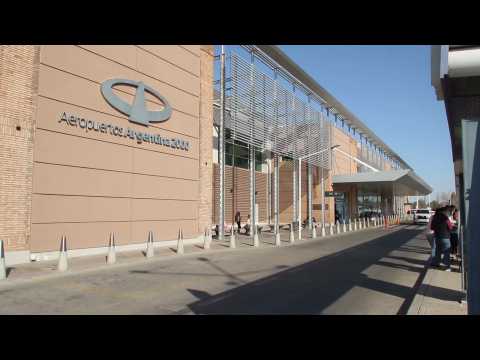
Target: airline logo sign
{"type": "Point", "coordinates": [137, 113]}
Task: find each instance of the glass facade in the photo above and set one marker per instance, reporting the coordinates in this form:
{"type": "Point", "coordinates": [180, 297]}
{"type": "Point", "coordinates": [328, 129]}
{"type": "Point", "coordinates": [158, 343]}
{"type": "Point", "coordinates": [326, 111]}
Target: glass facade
{"type": "Point", "coordinates": [237, 154]}
{"type": "Point", "coordinates": [368, 204]}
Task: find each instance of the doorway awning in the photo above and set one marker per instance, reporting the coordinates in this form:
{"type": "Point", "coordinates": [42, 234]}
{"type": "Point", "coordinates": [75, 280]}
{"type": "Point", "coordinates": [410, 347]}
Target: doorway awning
{"type": "Point", "coordinates": [405, 182]}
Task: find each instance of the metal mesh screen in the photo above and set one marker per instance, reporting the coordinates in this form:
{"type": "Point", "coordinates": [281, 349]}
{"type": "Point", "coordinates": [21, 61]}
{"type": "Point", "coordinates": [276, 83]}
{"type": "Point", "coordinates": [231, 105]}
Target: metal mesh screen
{"type": "Point", "coordinates": [266, 115]}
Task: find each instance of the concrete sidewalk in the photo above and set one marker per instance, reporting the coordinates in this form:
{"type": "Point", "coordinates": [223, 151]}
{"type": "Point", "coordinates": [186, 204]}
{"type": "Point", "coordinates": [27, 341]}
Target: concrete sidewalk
{"type": "Point", "coordinates": [440, 293]}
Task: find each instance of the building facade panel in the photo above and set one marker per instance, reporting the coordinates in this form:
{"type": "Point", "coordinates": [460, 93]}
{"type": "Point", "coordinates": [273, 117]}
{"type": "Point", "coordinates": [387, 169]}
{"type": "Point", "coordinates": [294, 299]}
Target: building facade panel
{"type": "Point", "coordinates": [151, 65]}
{"type": "Point", "coordinates": [194, 49]}
{"type": "Point", "coordinates": [126, 55]}
{"type": "Point", "coordinates": [96, 234]}
{"type": "Point", "coordinates": [154, 71]}
{"type": "Point", "coordinates": [58, 149]}
{"type": "Point", "coordinates": [72, 89]}
{"type": "Point", "coordinates": [177, 56]}
{"type": "Point", "coordinates": [184, 124]}
{"type": "Point", "coordinates": [106, 181]}
{"type": "Point", "coordinates": [70, 181]}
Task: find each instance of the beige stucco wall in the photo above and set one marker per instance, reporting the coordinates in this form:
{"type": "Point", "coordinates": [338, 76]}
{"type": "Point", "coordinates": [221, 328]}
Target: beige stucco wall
{"type": "Point", "coordinates": [88, 184]}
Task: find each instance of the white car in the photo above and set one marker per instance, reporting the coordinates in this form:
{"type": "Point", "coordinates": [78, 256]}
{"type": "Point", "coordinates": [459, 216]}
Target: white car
{"type": "Point", "coordinates": [422, 216]}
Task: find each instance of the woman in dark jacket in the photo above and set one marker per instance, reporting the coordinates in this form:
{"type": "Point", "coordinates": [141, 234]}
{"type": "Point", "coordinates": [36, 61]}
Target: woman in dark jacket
{"type": "Point", "coordinates": [441, 227]}
{"type": "Point", "coordinates": [454, 233]}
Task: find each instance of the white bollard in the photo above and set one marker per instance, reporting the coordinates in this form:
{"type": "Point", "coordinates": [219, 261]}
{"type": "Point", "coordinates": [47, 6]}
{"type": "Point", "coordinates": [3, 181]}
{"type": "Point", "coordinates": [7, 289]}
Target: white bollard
{"type": "Point", "coordinates": [111, 256]}
{"type": "Point", "coordinates": [278, 241]}
{"type": "Point", "coordinates": [256, 242]}
{"type": "Point", "coordinates": [314, 231]}
{"type": "Point", "coordinates": [180, 249]}
{"type": "Point", "coordinates": [354, 224]}
{"type": "Point", "coordinates": [338, 227]}
{"type": "Point", "coordinates": [299, 231]}
{"type": "Point", "coordinates": [331, 228]}
{"type": "Point", "coordinates": [233, 244]}
{"type": "Point", "coordinates": [349, 225]}
{"type": "Point", "coordinates": [323, 230]}
{"type": "Point", "coordinates": [292, 235]}
{"type": "Point", "coordinates": [3, 267]}
{"type": "Point", "coordinates": [344, 227]}
{"type": "Point", "coordinates": [63, 258]}
{"type": "Point", "coordinates": [150, 252]}
{"type": "Point", "coordinates": [206, 240]}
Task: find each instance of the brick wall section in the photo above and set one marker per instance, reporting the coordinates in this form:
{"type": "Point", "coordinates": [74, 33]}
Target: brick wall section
{"type": "Point", "coordinates": [18, 95]}
{"type": "Point", "coordinates": [342, 165]}
{"type": "Point", "coordinates": [206, 124]}
{"type": "Point", "coordinates": [237, 190]}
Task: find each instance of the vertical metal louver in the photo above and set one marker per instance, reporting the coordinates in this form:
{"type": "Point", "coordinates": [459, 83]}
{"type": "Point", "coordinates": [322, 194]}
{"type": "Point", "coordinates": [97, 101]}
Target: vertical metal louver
{"type": "Point", "coordinates": [266, 115]}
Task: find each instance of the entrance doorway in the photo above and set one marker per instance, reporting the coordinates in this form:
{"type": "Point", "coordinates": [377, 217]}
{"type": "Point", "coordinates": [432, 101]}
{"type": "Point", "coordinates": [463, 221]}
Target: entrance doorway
{"type": "Point", "coordinates": [341, 207]}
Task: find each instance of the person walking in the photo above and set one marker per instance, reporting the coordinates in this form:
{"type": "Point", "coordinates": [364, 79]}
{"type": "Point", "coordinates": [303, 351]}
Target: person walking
{"type": "Point", "coordinates": [442, 227]}
{"type": "Point", "coordinates": [454, 233]}
{"type": "Point", "coordinates": [430, 235]}
{"type": "Point", "coordinates": [238, 220]}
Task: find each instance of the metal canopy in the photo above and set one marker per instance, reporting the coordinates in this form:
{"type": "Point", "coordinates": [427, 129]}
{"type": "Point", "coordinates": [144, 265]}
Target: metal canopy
{"type": "Point", "coordinates": [406, 182]}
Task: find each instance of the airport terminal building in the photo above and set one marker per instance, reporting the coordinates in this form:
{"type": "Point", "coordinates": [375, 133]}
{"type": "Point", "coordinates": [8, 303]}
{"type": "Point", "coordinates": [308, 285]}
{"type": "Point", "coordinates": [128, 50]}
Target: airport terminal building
{"type": "Point", "coordinates": [128, 139]}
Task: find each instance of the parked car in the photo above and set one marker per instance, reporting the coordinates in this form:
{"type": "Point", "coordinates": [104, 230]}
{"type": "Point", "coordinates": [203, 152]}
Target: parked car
{"type": "Point", "coordinates": [422, 216]}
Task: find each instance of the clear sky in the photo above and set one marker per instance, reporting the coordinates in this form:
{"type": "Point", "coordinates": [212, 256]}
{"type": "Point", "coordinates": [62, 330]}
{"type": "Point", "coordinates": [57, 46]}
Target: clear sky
{"type": "Point", "coordinates": [388, 88]}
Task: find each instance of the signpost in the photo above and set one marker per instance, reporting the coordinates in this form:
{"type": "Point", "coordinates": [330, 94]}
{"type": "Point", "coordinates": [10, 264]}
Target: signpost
{"type": "Point", "coordinates": [335, 194]}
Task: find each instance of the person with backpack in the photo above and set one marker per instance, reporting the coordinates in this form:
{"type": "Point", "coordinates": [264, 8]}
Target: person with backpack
{"type": "Point", "coordinates": [442, 226]}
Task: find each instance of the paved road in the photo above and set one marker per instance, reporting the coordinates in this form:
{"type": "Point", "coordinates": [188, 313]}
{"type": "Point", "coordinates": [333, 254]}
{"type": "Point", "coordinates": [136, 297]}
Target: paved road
{"type": "Point", "coordinates": [369, 272]}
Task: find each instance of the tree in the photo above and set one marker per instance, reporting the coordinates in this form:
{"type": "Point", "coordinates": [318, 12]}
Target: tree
{"type": "Point", "coordinates": [434, 204]}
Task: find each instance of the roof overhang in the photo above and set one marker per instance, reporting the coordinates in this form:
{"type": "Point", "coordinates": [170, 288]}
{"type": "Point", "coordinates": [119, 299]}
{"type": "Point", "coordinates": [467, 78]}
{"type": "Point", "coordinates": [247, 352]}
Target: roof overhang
{"type": "Point", "coordinates": [456, 79]}
{"type": "Point", "coordinates": [404, 182]}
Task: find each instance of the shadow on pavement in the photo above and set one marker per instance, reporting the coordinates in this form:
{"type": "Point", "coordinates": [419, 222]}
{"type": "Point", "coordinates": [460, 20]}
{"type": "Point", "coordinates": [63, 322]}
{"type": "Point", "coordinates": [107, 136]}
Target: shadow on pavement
{"type": "Point", "coordinates": [311, 287]}
{"type": "Point", "coordinates": [441, 293]}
